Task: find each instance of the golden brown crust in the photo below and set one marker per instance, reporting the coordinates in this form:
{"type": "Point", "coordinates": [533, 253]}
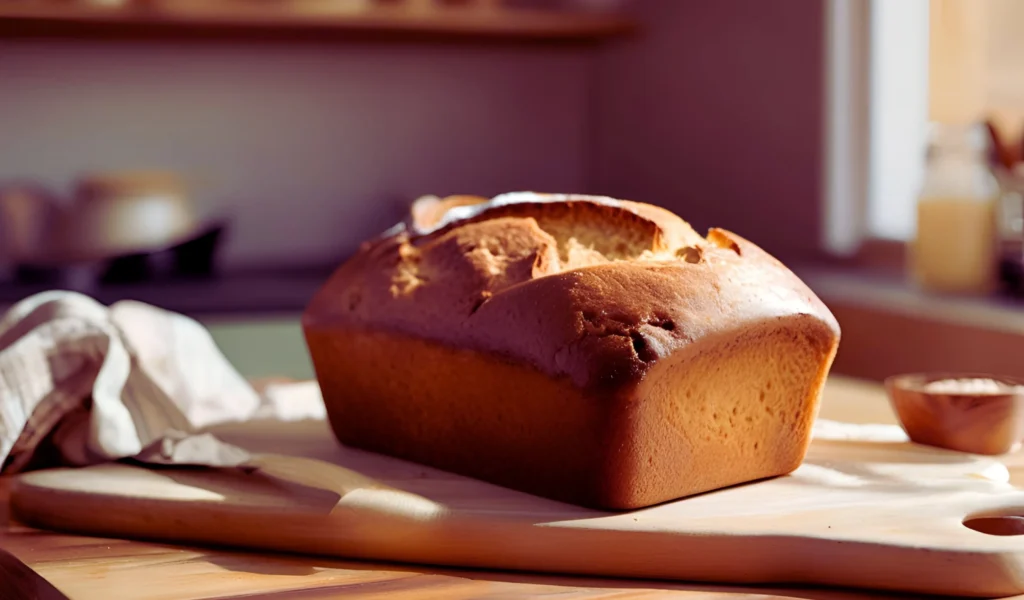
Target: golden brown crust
{"type": "Point", "coordinates": [496, 283]}
{"type": "Point", "coordinates": [585, 349]}
{"type": "Point", "coordinates": [465, 412]}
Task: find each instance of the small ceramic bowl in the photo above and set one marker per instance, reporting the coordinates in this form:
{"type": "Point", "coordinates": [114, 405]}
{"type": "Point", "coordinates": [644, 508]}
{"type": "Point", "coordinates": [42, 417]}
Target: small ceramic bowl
{"type": "Point", "coordinates": [968, 412]}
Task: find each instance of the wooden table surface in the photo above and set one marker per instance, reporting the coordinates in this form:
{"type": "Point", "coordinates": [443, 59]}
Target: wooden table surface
{"type": "Point", "coordinates": [39, 564]}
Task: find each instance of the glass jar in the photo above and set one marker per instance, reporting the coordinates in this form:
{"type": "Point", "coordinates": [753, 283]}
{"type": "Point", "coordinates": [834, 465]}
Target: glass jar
{"type": "Point", "coordinates": [955, 249]}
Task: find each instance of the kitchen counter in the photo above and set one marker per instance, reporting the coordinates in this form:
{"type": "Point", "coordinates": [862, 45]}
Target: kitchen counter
{"type": "Point", "coordinates": [264, 291]}
{"type": "Point", "coordinates": [88, 568]}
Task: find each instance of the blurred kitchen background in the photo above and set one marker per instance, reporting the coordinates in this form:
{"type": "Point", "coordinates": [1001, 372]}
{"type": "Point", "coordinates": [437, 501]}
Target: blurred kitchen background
{"type": "Point", "coordinates": [220, 157]}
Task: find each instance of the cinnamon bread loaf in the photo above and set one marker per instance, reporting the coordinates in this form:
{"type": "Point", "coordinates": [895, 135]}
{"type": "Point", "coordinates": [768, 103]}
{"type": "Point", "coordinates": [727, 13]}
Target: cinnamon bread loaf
{"type": "Point", "coordinates": [590, 350]}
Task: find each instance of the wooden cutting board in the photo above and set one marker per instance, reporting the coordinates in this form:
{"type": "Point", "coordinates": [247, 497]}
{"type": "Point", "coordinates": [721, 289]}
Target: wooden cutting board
{"type": "Point", "coordinates": [877, 515]}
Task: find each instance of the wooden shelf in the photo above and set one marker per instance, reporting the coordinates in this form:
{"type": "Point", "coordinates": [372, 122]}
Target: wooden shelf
{"type": "Point", "coordinates": [301, 19]}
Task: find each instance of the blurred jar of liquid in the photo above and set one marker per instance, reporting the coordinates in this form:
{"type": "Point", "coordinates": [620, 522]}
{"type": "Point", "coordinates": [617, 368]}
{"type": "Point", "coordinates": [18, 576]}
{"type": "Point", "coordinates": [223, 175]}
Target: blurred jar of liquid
{"type": "Point", "coordinates": [956, 246]}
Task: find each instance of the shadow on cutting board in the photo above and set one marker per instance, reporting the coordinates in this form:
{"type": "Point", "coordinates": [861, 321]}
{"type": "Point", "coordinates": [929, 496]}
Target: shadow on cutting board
{"type": "Point", "coordinates": [457, 582]}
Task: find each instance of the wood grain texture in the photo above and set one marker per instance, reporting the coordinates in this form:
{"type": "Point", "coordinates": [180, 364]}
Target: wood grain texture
{"type": "Point", "coordinates": [87, 568]}
{"type": "Point", "coordinates": [17, 580]}
{"type": "Point", "coordinates": [887, 516]}
{"type": "Point", "coordinates": [302, 19]}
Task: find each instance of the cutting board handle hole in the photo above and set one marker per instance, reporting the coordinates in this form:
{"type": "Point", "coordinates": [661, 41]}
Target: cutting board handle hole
{"type": "Point", "coordinates": [996, 525]}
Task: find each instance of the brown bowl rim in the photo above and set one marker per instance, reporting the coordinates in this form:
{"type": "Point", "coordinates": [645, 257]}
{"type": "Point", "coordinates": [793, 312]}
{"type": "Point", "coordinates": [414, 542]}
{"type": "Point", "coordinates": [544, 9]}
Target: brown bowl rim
{"type": "Point", "coordinates": [913, 382]}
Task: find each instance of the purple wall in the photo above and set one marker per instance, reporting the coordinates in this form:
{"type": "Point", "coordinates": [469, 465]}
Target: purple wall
{"type": "Point", "coordinates": [717, 113]}
{"type": "Point", "coordinates": [312, 148]}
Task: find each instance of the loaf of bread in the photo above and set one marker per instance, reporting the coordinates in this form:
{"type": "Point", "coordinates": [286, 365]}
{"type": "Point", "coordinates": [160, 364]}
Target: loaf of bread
{"type": "Point", "coordinates": [585, 349]}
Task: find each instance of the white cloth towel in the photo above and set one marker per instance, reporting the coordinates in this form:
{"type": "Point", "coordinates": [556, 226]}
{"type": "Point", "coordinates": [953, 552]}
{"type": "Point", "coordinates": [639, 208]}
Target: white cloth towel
{"type": "Point", "coordinates": [82, 383]}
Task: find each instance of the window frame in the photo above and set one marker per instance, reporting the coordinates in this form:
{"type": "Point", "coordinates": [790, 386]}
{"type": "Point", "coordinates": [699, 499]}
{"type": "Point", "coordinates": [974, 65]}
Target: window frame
{"type": "Point", "coordinates": [876, 120]}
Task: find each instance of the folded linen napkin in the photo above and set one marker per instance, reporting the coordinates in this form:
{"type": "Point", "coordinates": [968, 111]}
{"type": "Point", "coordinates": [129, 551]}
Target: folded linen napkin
{"type": "Point", "coordinates": [82, 383]}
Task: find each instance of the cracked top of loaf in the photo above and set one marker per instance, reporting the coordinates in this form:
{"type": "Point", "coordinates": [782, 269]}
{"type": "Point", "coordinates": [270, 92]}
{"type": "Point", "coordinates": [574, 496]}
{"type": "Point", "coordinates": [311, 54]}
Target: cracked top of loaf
{"type": "Point", "coordinates": [588, 288]}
